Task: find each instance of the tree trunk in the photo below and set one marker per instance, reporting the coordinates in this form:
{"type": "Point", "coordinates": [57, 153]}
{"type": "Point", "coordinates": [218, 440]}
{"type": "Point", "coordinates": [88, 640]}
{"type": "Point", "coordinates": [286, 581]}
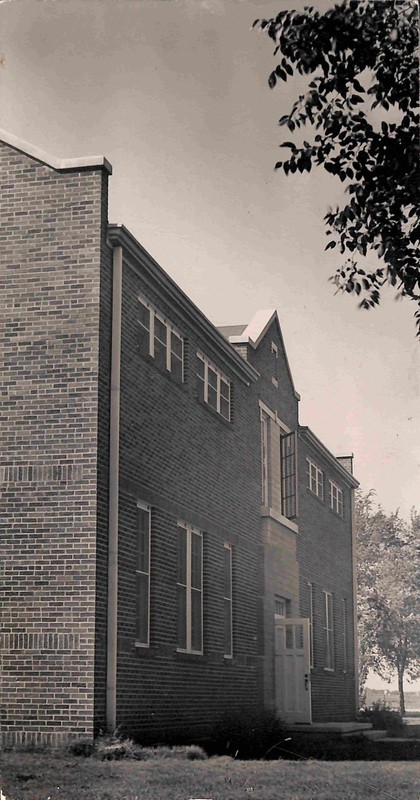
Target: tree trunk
{"type": "Point", "coordinates": [401, 690]}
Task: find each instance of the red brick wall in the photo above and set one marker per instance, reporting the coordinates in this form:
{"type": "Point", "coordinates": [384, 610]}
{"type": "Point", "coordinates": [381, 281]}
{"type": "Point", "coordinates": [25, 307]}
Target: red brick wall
{"type": "Point", "coordinates": [50, 256]}
{"type": "Point", "coordinates": [325, 558]}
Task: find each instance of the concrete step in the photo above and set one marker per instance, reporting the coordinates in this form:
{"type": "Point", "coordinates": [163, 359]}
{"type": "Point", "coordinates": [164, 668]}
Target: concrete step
{"type": "Point", "coordinates": [374, 735]}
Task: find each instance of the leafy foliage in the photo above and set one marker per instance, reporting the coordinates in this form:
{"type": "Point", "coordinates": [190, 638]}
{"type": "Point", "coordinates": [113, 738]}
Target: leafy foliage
{"type": "Point", "coordinates": [382, 717]}
{"type": "Point", "coordinates": [361, 55]}
{"type": "Point", "coordinates": [389, 598]}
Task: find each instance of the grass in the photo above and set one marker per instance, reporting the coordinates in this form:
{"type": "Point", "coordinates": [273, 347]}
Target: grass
{"type": "Point", "coordinates": [47, 776]}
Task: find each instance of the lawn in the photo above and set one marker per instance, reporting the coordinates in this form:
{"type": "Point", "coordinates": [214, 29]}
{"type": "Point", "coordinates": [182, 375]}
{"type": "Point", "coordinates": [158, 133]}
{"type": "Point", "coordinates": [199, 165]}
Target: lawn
{"type": "Point", "coordinates": [40, 776]}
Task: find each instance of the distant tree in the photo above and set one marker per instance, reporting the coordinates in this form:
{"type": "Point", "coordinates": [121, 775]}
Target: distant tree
{"type": "Point", "coordinates": [359, 51]}
{"type": "Point", "coordinates": [388, 566]}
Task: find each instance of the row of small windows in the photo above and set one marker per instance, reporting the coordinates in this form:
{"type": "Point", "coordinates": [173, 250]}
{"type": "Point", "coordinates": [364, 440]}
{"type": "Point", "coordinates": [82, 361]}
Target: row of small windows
{"type": "Point", "coordinates": [160, 340]}
{"type": "Point", "coordinates": [189, 586]}
{"type": "Point", "coordinates": [315, 477]}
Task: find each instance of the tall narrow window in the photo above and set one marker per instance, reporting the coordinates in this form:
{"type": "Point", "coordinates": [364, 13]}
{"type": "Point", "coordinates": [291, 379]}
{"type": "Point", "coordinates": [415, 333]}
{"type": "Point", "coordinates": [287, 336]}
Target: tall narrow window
{"type": "Point", "coordinates": [190, 589]}
{"type": "Point", "coordinates": [344, 624]}
{"type": "Point", "coordinates": [311, 623]}
{"type": "Point", "coordinates": [143, 575]}
{"type": "Point", "coordinates": [288, 475]}
{"type": "Point", "coordinates": [213, 387]}
{"type": "Point", "coordinates": [329, 631]}
{"type": "Point", "coordinates": [265, 427]}
{"type": "Point", "coordinates": [336, 498]}
{"type": "Point", "coordinates": [227, 600]}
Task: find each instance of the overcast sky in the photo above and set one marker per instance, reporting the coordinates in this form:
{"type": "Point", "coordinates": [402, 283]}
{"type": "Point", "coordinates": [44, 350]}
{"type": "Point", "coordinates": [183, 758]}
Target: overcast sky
{"type": "Point", "coordinates": [174, 93]}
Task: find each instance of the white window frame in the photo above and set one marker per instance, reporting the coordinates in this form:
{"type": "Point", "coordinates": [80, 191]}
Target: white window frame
{"type": "Point", "coordinates": [190, 531]}
{"type": "Point", "coordinates": [311, 624]}
{"type": "Point", "coordinates": [170, 329]}
{"type": "Point", "coordinates": [228, 598]}
{"type": "Point", "coordinates": [220, 377]}
{"type": "Point", "coordinates": [329, 631]}
{"type": "Point", "coordinates": [147, 508]}
{"type": "Point", "coordinates": [336, 498]}
{"type": "Point", "coordinates": [344, 623]}
{"type": "Point", "coordinates": [315, 479]}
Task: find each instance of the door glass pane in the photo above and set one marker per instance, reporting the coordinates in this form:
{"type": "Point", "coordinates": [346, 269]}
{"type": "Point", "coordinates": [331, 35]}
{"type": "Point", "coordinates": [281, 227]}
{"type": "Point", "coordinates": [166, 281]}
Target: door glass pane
{"type": "Point", "coordinates": [289, 637]}
{"type": "Point", "coordinates": [299, 636]}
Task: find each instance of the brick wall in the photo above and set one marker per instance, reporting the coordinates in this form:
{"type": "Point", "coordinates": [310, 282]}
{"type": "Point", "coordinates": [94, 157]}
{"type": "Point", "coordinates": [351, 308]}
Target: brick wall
{"type": "Point", "coordinates": [325, 558]}
{"type": "Point", "coordinates": [50, 285]}
{"type": "Point", "coordinates": [188, 463]}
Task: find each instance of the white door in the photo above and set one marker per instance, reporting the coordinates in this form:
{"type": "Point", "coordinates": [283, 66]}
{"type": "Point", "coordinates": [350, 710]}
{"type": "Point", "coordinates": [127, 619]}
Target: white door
{"type": "Point", "coordinates": [292, 670]}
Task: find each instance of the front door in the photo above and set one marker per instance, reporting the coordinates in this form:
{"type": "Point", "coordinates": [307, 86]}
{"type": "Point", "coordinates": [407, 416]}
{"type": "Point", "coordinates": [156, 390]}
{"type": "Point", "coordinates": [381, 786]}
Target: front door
{"type": "Point", "coordinates": [292, 670]}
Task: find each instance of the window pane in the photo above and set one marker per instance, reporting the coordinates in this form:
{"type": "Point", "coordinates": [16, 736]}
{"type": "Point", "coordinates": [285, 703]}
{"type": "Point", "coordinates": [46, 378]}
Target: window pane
{"type": "Point", "coordinates": [143, 340]}
{"type": "Point", "coordinates": [142, 633]}
{"type": "Point", "coordinates": [144, 316]}
{"type": "Point", "coordinates": [160, 354]}
{"type": "Point", "coordinates": [212, 378]}
{"type": "Point", "coordinates": [182, 556]}
{"type": "Point", "coordinates": [182, 617]}
{"type": "Point", "coordinates": [196, 549]}
{"type": "Point", "coordinates": [228, 627]}
{"type": "Point", "coordinates": [176, 368]}
{"type": "Point", "coordinates": [212, 396]}
{"type": "Point", "coordinates": [160, 330]}
{"type": "Point", "coordinates": [228, 572]}
{"type": "Point", "coordinates": [224, 389]}
{"type": "Point", "coordinates": [176, 344]}
{"type": "Point", "coordinates": [289, 637]}
{"type": "Point", "coordinates": [224, 408]}
{"type": "Point", "coordinates": [196, 637]}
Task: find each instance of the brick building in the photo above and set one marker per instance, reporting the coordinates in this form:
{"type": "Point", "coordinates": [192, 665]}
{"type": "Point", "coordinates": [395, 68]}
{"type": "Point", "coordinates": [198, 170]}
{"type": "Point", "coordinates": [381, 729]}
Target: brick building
{"type": "Point", "coordinates": [174, 543]}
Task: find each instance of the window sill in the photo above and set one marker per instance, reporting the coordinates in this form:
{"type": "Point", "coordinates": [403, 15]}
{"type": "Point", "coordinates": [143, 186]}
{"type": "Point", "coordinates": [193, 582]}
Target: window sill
{"type": "Point", "coordinates": [273, 514]}
{"type": "Point", "coordinates": [214, 412]}
{"type": "Point", "coordinates": [188, 655]}
{"type": "Point", "coordinates": [142, 645]}
{"type": "Point", "coordinates": [329, 669]}
{"type": "Point", "coordinates": [315, 495]}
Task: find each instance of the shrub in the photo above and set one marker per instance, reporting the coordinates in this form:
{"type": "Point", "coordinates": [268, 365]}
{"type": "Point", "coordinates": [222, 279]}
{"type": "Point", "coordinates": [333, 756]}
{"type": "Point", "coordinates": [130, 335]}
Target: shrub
{"type": "Point", "coordinates": [247, 734]}
{"type": "Point", "coordinates": [82, 747]}
{"type": "Point", "coordinates": [116, 748]}
{"type": "Point", "coordinates": [382, 717]}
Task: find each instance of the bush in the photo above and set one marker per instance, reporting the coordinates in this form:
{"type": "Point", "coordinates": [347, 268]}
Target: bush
{"type": "Point", "coordinates": [116, 748]}
{"type": "Point", "coordinates": [82, 747]}
{"type": "Point", "coordinates": [382, 717]}
{"type": "Point", "coordinates": [247, 734]}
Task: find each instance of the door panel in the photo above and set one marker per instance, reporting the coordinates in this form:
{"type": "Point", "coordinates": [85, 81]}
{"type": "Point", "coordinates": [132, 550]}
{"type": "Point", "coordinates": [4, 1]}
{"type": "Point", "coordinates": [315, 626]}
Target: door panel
{"type": "Point", "coordinates": [292, 670]}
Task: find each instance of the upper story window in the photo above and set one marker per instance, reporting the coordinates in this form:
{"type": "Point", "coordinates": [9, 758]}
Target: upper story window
{"type": "Point", "coordinates": [278, 466]}
{"type": "Point", "coordinates": [336, 498]}
{"type": "Point", "coordinates": [213, 387]}
{"type": "Point", "coordinates": [159, 339]}
{"type": "Point", "coordinates": [315, 478]}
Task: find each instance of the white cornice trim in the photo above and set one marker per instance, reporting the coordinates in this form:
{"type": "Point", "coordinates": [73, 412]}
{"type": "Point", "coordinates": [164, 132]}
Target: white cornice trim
{"type": "Point", "coordinates": [135, 255]}
{"type": "Point", "coordinates": [56, 163]}
{"type": "Point", "coordinates": [313, 440]}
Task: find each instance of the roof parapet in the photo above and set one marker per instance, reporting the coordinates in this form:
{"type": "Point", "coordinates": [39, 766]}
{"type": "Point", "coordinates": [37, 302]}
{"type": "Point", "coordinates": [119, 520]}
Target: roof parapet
{"type": "Point", "coordinates": [56, 163]}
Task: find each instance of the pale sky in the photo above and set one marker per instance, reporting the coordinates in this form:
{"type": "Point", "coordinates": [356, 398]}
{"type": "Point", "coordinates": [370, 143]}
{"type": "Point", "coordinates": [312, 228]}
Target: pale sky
{"type": "Point", "coordinates": [174, 93]}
